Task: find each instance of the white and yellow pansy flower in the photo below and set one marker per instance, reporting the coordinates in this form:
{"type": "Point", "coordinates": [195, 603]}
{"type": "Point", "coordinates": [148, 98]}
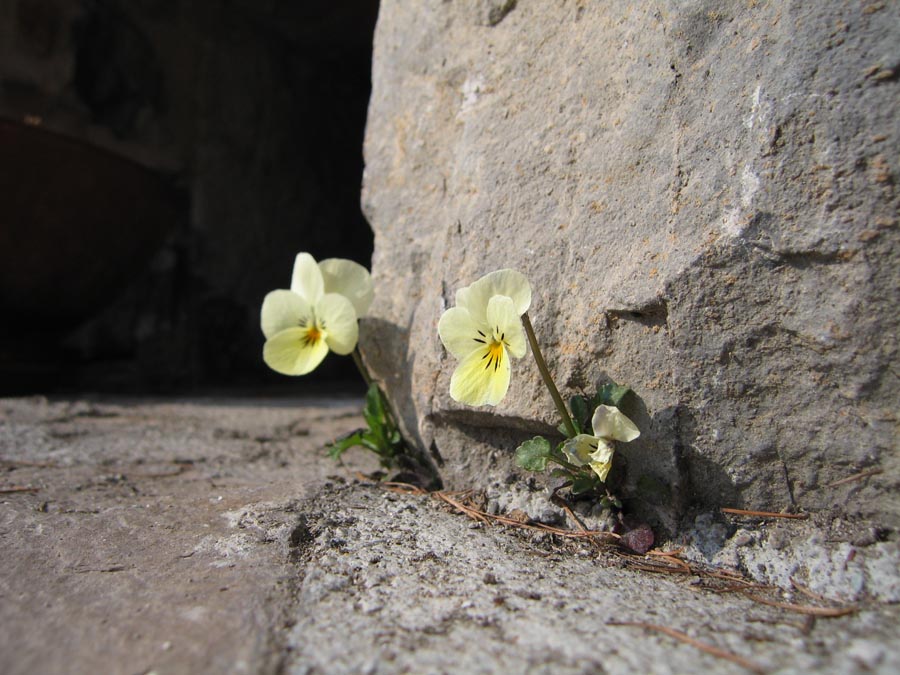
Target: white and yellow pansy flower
{"type": "Point", "coordinates": [317, 315]}
{"type": "Point", "coordinates": [609, 424]}
{"type": "Point", "coordinates": [483, 331]}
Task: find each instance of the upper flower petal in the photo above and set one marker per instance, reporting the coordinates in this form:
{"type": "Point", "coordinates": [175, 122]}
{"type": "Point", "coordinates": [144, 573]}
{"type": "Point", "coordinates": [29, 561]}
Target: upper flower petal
{"type": "Point", "coordinates": [288, 353]}
{"type": "Point", "coordinates": [282, 309]}
{"type": "Point", "coordinates": [339, 322]}
{"type": "Point", "coordinates": [609, 422]}
{"type": "Point", "coordinates": [306, 279]}
{"type": "Point", "coordinates": [510, 283]}
{"type": "Point", "coordinates": [459, 333]}
{"type": "Point", "coordinates": [480, 379]}
{"type": "Point", "coordinates": [506, 324]}
{"type": "Point", "coordinates": [351, 280]}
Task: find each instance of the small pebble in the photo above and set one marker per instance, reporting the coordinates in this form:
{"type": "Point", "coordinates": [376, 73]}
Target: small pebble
{"type": "Point", "coordinates": [742, 538]}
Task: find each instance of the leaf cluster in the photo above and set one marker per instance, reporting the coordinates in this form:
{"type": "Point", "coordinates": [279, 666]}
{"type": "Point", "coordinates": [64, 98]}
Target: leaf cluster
{"type": "Point", "coordinates": [537, 453]}
{"type": "Point", "coordinates": [382, 435]}
{"type": "Point", "coordinates": [582, 407]}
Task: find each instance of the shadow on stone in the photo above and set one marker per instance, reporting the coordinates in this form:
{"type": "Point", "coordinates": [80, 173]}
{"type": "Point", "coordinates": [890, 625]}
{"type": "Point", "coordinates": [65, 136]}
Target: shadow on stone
{"type": "Point", "coordinates": [385, 349]}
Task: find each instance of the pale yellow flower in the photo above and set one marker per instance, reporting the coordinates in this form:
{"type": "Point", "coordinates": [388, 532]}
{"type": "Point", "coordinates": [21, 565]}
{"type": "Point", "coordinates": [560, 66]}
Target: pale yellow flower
{"type": "Point", "coordinates": [483, 331]}
{"type": "Point", "coordinates": [317, 315]}
{"type": "Point", "coordinates": [609, 424]}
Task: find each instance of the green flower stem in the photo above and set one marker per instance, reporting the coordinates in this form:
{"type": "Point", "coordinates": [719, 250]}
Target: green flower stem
{"type": "Point", "coordinates": [563, 463]}
{"type": "Point", "coordinates": [360, 366]}
{"type": "Point", "coordinates": [545, 375]}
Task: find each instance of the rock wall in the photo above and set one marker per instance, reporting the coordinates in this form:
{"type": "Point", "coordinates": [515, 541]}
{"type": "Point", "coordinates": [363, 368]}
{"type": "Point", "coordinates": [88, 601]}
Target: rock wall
{"type": "Point", "coordinates": [703, 195]}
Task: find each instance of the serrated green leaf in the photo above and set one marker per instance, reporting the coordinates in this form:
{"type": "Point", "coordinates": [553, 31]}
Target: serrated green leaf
{"type": "Point", "coordinates": [533, 455]}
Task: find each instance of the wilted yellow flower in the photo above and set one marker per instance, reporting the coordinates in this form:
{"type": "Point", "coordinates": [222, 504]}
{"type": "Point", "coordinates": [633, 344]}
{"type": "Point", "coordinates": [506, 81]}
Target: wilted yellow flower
{"type": "Point", "coordinates": [609, 424]}
{"type": "Point", "coordinates": [483, 331]}
{"type": "Point", "coordinates": [317, 315]}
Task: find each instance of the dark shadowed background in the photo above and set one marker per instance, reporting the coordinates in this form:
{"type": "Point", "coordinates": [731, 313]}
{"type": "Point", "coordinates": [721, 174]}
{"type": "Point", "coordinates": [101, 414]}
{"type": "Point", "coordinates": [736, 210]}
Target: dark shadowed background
{"type": "Point", "coordinates": [161, 162]}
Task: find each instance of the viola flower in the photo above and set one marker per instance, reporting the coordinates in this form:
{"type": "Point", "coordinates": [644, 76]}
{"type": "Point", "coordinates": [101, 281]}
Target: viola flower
{"type": "Point", "coordinates": [609, 424]}
{"type": "Point", "coordinates": [483, 331]}
{"type": "Point", "coordinates": [317, 315]}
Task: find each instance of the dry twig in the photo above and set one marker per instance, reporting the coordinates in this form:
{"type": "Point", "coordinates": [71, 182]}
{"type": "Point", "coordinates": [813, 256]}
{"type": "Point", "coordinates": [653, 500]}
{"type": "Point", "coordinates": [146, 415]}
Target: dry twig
{"type": "Point", "coordinates": [702, 646]}
{"type": "Point", "coordinates": [808, 593]}
{"type": "Point", "coordinates": [855, 477]}
{"type": "Point", "coordinates": [802, 609]}
{"type": "Point", "coordinates": [18, 488]}
{"type": "Point", "coordinates": [765, 514]}
{"type": "Point", "coordinates": [487, 518]}
{"type": "Point", "coordinates": [404, 488]}
{"type": "Point", "coordinates": [674, 553]}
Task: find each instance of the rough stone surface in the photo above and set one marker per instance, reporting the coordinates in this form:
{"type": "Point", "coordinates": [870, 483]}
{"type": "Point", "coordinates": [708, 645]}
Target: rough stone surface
{"type": "Point", "coordinates": [208, 537]}
{"type": "Point", "coordinates": [158, 537]}
{"type": "Point", "coordinates": [703, 196]}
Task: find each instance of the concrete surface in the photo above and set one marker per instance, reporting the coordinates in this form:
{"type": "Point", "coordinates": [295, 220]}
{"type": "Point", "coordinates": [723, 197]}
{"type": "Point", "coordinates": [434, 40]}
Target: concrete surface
{"type": "Point", "coordinates": [216, 537]}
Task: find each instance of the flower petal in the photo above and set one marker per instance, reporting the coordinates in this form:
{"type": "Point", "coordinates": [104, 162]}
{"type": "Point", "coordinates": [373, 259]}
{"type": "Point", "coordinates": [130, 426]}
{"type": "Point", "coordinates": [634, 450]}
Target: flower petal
{"type": "Point", "coordinates": [602, 469]}
{"type": "Point", "coordinates": [578, 449]}
{"type": "Point", "coordinates": [506, 282]}
{"type": "Point", "coordinates": [289, 354]}
{"type": "Point", "coordinates": [306, 279]}
{"type": "Point", "coordinates": [349, 279]}
{"type": "Point", "coordinates": [460, 334]}
{"type": "Point", "coordinates": [609, 422]}
{"type": "Point", "coordinates": [477, 381]}
{"type": "Point", "coordinates": [339, 322]}
{"type": "Point", "coordinates": [502, 318]}
{"type": "Point", "coordinates": [603, 452]}
{"type": "Point", "coordinates": [462, 297]}
{"type": "Point", "coordinates": [280, 310]}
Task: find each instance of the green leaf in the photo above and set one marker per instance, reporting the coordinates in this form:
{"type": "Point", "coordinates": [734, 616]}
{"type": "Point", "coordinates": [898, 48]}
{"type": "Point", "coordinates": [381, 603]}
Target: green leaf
{"type": "Point", "coordinates": [580, 412]}
{"type": "Point", "coordinates": [611, 394]}
{"type": "Point", "coordinates": [381, 432]}
{"type": "Point", "coordinates": [374, 403]}
{"type": "Point", "coordinates": [533, 455]}
{"type": "Point", "coordinates": [373, 410]}
{"type": "Point", "coordinates": [336, 449]}
{"type": "Point", "coordinates": [559, 472]}
{"type": "Point", "coordinates": [583, 484]}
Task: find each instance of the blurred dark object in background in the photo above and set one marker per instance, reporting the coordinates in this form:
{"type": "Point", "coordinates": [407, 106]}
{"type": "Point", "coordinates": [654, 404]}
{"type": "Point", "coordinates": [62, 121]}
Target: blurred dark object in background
{"type": "Point", "coordinates": [161, 162]}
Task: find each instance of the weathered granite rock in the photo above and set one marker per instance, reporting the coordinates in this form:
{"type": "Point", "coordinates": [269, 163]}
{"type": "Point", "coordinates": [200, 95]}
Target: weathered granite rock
{"type": "Point", "coordinates": [704, 197]}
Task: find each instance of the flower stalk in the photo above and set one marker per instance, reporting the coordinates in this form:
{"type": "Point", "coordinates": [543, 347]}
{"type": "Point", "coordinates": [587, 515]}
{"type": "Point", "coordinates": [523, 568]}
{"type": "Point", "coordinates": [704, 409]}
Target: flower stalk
{"type": "Point", "coordinates": [545, 375]}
